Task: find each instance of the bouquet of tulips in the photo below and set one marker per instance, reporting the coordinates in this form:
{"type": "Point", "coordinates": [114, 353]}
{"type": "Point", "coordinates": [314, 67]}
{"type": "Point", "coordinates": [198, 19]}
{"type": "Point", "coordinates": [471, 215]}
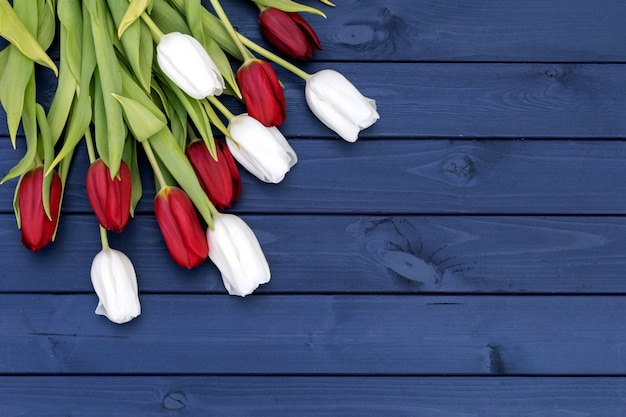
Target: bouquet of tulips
{"type": "Point", "coordinates": [146, 76]}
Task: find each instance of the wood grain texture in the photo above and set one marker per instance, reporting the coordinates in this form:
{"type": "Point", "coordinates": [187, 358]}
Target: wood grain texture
{"type": "Point", "coordinates": [312, 396]}
{"type": "Point", "coordinates": [352, 254]}
{"type": "Point", "coordinates": [335, 335]}
{"type": "Point", "coordinates": [458, 31]}
{"type": "Point", "coordinates": [459, 100]}
{"type": "Point", "coordinates": [412, 177]}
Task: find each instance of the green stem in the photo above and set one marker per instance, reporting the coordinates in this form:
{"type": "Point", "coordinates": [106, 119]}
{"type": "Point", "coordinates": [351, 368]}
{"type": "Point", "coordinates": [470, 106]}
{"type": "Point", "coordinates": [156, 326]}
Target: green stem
{"type": "Point", "coordinates": [104, 238]}
{"type": "Point", "coordinates": [218, 105]}
{"type": "Point", "coordinates": [231, 30]}
{"type": "Point", "coordinates": [274, 58]}
{"type": "Point", "coordinates": [90, 148]}
{"type": "Point", "coordinates": [154, 164]}
{"type": "Point", "coordinates": [154, 29]}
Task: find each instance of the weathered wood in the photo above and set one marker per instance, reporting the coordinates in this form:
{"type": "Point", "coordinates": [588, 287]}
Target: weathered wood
{"type": "Point", "coordinates": [361, 254]}
{"type": "Point", "coordinates": [311, 396]}
{"type": "Point", "coordinates": [338, 335]}
{"type": "Point", "coordinates": [413, 177]}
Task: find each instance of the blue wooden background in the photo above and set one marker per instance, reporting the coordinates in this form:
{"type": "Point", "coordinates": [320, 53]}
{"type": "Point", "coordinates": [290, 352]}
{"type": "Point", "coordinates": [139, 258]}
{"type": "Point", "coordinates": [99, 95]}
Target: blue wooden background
{"type": "Point", "coordinates": [464, 258]}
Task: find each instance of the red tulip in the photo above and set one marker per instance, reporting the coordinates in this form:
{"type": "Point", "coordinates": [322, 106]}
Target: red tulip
{"type": "Point", "coordinates": [184, 236]}
{"type": "Point", "coordinates": [37, 229]}
{"type": "Point", "coordinates": [289, 33]}
{"type": "Point", "coordinates": [109, 198]}
{"type": "Point", "coordinates": [219, 178]}
{"type": "Point", "coordinates": [262, 92]}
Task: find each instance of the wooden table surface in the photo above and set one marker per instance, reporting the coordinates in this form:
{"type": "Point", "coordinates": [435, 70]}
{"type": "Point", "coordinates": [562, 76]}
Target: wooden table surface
{"type": "Point", "coordinates": [465, 257]}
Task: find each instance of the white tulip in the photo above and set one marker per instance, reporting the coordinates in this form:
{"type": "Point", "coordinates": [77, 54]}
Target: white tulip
{"type": "Point", "coordinates": [337, 103]}
{"type": "Point", "coordinates": [261, 150]}
{"type": "Point", "coordinates": [114, 280]}
{"type": "Point", "coordinates": [236, 252]}
{"type": "Point", "coordinates": [185, 61]}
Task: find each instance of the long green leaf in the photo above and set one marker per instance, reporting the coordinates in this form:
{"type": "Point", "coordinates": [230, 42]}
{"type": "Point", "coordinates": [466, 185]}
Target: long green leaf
{"type": "Point", "coordinates": [193, 13]}
{"type": "Point", "coordinates": [71, 19]}
{"type": "Point", "coordinates": [48, 156]}
{"type": "Point", "coordinates": [16, 32]}
{"type": "Point", "coordinates": [130, 157]}
{"type": "Point", "coordinates": [46, 25]}
{"type": "Point", "coordinates": [109, 70]}
{"type": "Point", "coordinates": [142, 122]}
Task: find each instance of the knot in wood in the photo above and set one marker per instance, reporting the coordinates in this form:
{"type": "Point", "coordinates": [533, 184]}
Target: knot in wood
{"type": "Point", "coordinates": [458, 169]}
{"type": "Point", "coordinates": [174, 401]}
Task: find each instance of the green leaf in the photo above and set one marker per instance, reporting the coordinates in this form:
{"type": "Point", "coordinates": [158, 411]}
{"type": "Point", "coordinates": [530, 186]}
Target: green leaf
{"type": "Point", "coordinates": [16, 32]}
{"type": "Point", "coordinates": [4, 58]}
{"type": "Point", "coordinates": [71, 19]}
{"type": "Point", "coordinates": [133, 12]}
{"type": "Point", "coordinates": [142, 122]}
{"type": "Point", "coordinates": [48, 146]}
{"type": "Point", "coordinates": [109, 70]}
{"type": "Point", "coordinates": [167, 18]}
{"type": "Point", "coordinates": [289, 6]}
{"type": "Point", "coordinates": [99, 119]}
{"type": "Point", "coordinates": [193, 13]}
{"type": "Point", "coordinates": [46, 25]}
{"type": "Point", "coordinates": [15, 77]}
{"type": "Point", "coordinates": [137, 44]}
{"type": "Point", "coordinates": [130, 157]}
{"type": "Point", "coordinates": [165, 146]}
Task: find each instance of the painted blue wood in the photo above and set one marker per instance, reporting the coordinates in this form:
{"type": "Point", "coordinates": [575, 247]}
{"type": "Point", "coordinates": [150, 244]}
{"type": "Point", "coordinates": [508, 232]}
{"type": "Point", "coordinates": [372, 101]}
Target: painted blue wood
{"type": "Point", "coordinates": [316, 334]}
{"type": "Point", "coordinates": [412, 177]}
{"type": "Point", "coordinates": [383, 254]}
{"type": "Point", "coordinates": [311, 396]}
{"type": "Point", "coordinates": [465, 100]}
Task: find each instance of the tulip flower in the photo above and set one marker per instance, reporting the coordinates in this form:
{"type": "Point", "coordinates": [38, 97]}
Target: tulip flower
{"type": "Point", "coordinates": [185, 61]}
{"type": "Point", "coordinates": [262, 92]}
{"type": "Point", "coordinates": [339, 105]}
{"type": "Point", "coordinates": [219, 178]}
{"type": "Point", "coordinates": [180, 227]}
{"type": "Point", "coordinates": [114, 280]}
{"type": "Point", "coordinates": [36, 227]}
{"type": "Point", "coordinates": [289, 33]}
{"type": "Point", "coordinates": [236, 252]}
{"type": "Point", "coordinates": [261, 150]}
{"type": "Point", "coordinates": [109, 198]}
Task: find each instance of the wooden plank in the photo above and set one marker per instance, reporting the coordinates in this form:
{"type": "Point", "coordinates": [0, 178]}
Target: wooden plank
{"type": "Point", "coordinates": [413, 177]}
{"type": "Point", "coordinates": [450, 30]}
{"type": "Point", "coordinates": [324, 335]}
{"type": "Point", "coordinates": [352, 254]}
{"type": "Point", "coordinates": [311, 396]}
{"type": "Point", "coordinates": [425, 100]}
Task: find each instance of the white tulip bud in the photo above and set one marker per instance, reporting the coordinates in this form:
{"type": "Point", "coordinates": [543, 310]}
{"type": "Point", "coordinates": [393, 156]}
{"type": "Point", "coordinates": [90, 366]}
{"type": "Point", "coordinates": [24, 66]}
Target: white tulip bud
{"type": "Point", "coordinates": [337, 103]}
{"type": "Point", "coordinates": [185, 61]}
{"type": "Point", "coordinates": [114, 280]}
{"type": "Point", "coordinates": [261, 150]}
{"type": "Point", "coordinates": [236, 252]}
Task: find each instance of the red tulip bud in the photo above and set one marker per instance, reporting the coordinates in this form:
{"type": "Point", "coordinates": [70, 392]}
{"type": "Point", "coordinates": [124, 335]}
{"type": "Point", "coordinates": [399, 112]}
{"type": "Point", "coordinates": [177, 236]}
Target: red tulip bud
{"type": "Point", "coordinates": [184, 236]}
{"type": "Point", "coordinates": [109, 198]}
{"type": "Point", "coordinates": [289, 33]}
{"type": "Point", "coordinates": [219, 178]}
{"type": "Point", "coordinates": [37, 229]}
{"type": "Point", "coordinates": [262, 92]}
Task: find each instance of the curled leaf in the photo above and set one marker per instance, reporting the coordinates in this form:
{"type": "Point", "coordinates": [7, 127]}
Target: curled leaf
{"type": "Point", "coordinates": [290, 6]}
{"type": "Point", "coordinates": [134, 11]}
{"type": "Point", "coordinates": [13, 30]}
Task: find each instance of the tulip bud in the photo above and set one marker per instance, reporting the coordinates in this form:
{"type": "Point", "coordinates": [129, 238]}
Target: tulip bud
{"type": "Point", "coordinates": [36, 227]}
{"type": "Point", "coordinates": [262, 92]}
{"type": "Point", "coordinates": [185, 61]}
{"type": "Point", "coordinates": [114, 280]}
{"type": "Point", "coordinates": [236, 252]}
{"type": "Point", "coordinates": [339, 105]}
{"type": "Point", "coordinates": [289, 33]}
{"type": "Point", "coordinates": [180, 227]}
{"type": "Point", "coordinates": [261, 150]}
{"type": "Point", "coordinates": [218, 178]}
{"type": "Point", "coordinates": [109, 198]}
